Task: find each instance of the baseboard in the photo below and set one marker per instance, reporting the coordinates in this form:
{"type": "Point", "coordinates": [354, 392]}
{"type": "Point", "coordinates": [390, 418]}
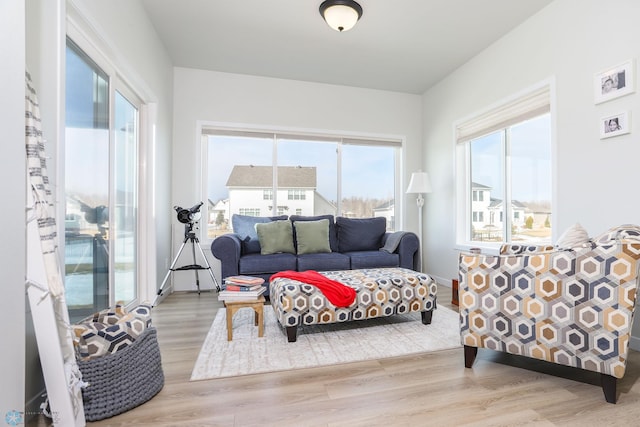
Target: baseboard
{"type": "Point", "coordinates": [441, 281]}
{"type": "Point", "coordinates": [634, 343]}
{"type": "Point", "coordinates": [32, 407]}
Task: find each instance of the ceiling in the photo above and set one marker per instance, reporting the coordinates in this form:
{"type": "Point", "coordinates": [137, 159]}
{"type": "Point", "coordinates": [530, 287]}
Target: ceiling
{"type": "Point", "coordinates": [398, 45]}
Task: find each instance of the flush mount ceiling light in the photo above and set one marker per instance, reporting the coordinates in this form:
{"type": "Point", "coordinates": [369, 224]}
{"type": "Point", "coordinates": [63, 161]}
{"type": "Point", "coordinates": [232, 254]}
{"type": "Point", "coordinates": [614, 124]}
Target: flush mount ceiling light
{"type": "Point", "coordinates": [341, 15]}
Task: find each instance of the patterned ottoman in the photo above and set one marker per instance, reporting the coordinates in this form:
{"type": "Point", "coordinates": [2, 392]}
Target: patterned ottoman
{"type": "Point", "coordinates": [379, 292]}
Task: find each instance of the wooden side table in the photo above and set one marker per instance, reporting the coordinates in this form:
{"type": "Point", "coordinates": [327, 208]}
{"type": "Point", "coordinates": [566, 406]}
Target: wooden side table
{"type": "Point", "coordinates": [257, 305]}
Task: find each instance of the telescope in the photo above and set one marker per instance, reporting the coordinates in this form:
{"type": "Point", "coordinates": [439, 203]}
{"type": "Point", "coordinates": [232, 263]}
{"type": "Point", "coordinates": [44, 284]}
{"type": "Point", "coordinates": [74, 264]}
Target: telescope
{"type": "Point", "coordinates": [188, 216]}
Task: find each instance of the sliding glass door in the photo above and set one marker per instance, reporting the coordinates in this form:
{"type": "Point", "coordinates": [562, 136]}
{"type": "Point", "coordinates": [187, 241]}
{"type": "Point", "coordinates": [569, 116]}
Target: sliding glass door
{"type": "Point", "coordinates": [101, 146]}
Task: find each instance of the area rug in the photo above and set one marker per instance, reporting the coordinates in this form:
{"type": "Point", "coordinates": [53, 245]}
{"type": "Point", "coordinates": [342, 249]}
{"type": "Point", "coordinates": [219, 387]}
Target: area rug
{"type": "Point", "coordinates": [319, 345]}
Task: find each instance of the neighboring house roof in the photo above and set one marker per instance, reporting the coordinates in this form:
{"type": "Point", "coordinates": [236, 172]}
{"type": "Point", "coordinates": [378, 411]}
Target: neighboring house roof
{"type": "Point", "coordinates": [498, 202]}
{"type": "Point", "coordinates": [384, 206]}
{"type": "Point", "coordinates": [262, 176]}
{"type": "Point", "coordinates": [475, 186]}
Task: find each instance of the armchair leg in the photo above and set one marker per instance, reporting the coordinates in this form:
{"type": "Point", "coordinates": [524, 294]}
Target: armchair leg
{"type": "Point", "coordinates": [609, 387]}
{"type": "Point", "coordinates": [469, 355]}
{"type": "Point", "coordinates": [426, 316]}
{"type": "Point", "coordinates": [292, 333]}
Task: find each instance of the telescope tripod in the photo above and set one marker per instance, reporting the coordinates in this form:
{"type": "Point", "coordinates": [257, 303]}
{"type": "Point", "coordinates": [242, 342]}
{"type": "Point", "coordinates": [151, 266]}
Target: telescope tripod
{"type": "Point", "coordinates": [190, 236]}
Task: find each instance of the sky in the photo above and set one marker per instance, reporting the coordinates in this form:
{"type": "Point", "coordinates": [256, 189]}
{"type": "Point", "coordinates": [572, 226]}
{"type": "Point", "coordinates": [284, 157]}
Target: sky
{"type": "Point", "coordinates": [530, 161]}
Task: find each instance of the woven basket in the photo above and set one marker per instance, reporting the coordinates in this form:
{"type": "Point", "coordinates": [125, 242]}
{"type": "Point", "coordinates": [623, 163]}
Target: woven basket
{"type": "Point", "coordinates": [122, 380]}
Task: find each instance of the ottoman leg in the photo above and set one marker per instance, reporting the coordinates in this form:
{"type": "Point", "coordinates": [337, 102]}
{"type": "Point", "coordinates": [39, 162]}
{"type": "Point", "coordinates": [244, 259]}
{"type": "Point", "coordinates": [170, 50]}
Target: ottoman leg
{"type": "Point", "coordinates": [292, 333]}
{"type": "Point", "coordinates": [426, 316]}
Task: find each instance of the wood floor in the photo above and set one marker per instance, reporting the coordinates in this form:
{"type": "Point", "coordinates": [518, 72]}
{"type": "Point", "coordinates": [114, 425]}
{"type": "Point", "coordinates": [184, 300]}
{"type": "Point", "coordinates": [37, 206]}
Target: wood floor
{"type": "Point", "coordinates": [421, 390]}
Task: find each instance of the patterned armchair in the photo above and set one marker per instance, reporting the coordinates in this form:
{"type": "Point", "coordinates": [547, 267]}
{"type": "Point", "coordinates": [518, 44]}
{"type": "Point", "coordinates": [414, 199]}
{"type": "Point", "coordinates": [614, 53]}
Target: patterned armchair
{"type": "Point", "coordinates": [572, 307]}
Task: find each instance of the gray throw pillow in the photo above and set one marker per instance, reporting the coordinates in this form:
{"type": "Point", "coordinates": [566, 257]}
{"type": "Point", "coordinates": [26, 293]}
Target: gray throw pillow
{"type": "Point", "coordinates": [245, 227]}
{"type": "Point", "coordinates": [275, 237]}
{"type": "Point", "coordinates": [312, 236]}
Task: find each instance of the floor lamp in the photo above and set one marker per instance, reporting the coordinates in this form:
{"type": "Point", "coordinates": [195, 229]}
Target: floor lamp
{"type": "Point", "coordinates": [419, 184]}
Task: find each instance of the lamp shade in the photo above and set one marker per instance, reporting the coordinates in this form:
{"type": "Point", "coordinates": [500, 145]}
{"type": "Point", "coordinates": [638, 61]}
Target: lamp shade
{"type": "Point", "coordinates": [341, 15]}
{"type": "Point", "coordinates": [419, 183]}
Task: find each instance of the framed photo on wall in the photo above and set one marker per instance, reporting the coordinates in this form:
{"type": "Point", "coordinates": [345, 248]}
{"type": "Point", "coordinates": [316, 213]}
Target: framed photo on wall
{"type": "Point", "coordinates": [614, 82]}
{"type": "Point", "coordinates": [617, 124]}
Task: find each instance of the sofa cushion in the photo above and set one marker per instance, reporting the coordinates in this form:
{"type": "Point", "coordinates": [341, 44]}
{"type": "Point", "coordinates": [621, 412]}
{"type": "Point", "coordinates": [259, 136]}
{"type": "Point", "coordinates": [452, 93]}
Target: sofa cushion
{"type": "Point", "coordinates": [373, 259]}
{"type": "Point", "coordinates": [266, 264]}
{"type": "Point", "coordinates": [275, 237]}
{"type": "Point", "coordinates": [323, 262]}
{"type": "Point", "coordinates": [333, 237]}
{"type": "Point", "coordinates": [312, 236]}
{"type": "Point", "coordinates": [360, 234]}
{"type": "Point", "coordinates": [245, 227]}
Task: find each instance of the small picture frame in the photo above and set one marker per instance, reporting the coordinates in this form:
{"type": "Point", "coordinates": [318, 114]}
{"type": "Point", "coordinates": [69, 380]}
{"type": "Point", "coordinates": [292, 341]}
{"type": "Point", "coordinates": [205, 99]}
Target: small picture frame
{"type": "Point", "coordinates": [614, 125]}
{"type": "Point", "coordinates": [614, 82]}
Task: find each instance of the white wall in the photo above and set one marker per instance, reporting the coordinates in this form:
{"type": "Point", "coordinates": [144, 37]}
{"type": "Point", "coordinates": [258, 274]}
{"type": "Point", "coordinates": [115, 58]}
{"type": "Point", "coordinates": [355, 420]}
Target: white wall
{"type": "Point", "coordinates": [122, 31]}
{"type": "Point", "coordinates": [12, 214]}
{"type": "Point", "coordinates": [569, 41]}
{"type": "Point", "coordinates": [233, 98]}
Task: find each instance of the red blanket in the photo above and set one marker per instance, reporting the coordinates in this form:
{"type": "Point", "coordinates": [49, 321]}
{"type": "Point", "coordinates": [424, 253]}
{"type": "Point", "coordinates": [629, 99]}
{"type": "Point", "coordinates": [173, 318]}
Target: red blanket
{"type": "Point", "coordinates": [337, 293]}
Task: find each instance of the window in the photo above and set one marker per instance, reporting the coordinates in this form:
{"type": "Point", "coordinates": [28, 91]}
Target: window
{"type": "Point", "coordinates": [101, 223]}
{"type": "Point", "coordinates": [249, 211]}
{"type": "Point", "coordinates": [303, 174]}
{"type": "Point", "coordinates": [504, 172]}
{"type": "Point", "coordinates": [296, 195]}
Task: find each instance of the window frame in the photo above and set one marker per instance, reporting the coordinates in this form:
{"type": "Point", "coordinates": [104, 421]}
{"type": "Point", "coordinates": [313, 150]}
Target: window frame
{"type": "Point", "coordinates": [92, 45]}
{"type": "Point", "coordinates": [518, 108]}
{"type": "Point", "coordinates": [205, 128]}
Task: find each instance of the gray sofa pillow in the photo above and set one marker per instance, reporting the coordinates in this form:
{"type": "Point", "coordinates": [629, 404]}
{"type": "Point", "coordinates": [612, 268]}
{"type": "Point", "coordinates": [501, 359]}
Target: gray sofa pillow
{"type": "Point", "coordinates": [312, 237]}
{"type": "Point", "coordinates": [360, 234]}
{"type": "Point", "coordinates": [333, 238]}
{"type": "Point", "coordinates": [275, 237]}
{"type": "Point", "coordinates": [245, 227]}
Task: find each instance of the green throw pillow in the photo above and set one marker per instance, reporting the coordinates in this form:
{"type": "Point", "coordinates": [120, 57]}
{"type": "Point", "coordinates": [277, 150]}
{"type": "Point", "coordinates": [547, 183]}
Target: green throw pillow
{"type": "Point", "coordinates": [275, 237]}
{"type": "Point", "coordinates": [312, 236]}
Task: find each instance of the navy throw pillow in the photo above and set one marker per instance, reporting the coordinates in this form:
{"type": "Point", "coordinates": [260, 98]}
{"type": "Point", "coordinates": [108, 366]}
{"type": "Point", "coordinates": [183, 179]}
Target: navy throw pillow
{"type": "Point", "coordinates": [360, 234]}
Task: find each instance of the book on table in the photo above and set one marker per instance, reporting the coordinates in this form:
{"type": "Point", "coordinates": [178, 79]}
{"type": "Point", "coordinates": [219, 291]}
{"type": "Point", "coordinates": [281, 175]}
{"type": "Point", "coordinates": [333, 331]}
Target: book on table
{"type": "Point", "coordinates": [244, 280]}
{"type": "Point", "coordinates": [227, 295]}
{"type": "Point", "coordinates": [241, 288]}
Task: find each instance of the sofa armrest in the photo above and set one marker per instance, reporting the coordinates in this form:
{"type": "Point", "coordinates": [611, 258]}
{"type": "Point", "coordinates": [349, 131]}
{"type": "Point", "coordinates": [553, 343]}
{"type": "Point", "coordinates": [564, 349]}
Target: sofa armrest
{"type": "Point", "coordinates": [407, 250]}
{"type": "Point", "coordinates": [227, 249]}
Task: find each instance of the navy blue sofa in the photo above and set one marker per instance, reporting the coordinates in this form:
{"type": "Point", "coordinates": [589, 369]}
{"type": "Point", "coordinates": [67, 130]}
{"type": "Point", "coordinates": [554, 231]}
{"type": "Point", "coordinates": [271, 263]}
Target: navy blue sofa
{"type": "Point", "coordinates": [354, 243]}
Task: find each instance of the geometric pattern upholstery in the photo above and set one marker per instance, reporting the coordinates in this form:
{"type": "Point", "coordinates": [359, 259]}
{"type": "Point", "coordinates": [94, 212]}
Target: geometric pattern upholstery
{"type": "Point", "coordinates": [570, 307]}
{"type": "Point", "coordinates": [379, 292]}
{"type": "Point", "coordinates": [110, 330]}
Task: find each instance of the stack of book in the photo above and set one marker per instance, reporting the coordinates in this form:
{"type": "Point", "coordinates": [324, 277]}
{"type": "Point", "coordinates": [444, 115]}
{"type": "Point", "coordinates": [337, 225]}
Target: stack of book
{"type": "Point", "coordinates": [241, 288]}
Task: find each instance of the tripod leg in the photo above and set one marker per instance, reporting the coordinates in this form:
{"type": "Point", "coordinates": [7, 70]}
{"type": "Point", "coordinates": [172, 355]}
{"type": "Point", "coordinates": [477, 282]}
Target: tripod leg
{"type": "Point", "coordinates": [173, 264]}
{"type": "Point", "coordinates": [194, 243]}
{"type": "Point", "coordinates": [206, 262]}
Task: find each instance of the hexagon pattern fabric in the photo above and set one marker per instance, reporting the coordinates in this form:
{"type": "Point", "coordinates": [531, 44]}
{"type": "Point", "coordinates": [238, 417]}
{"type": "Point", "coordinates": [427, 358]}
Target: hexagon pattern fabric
{"type": "Point", "coordinates": [110, 330]}
{"type": "Point", "coordinates": [571, 307]}
{"type": "Point", "coordinates": [379, 292]}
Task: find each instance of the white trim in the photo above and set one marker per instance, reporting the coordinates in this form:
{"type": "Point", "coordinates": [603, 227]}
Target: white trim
{"type": "Point", "coordinates": [205, 127]}
{"type": "Point", "coordinates": [532, 98]}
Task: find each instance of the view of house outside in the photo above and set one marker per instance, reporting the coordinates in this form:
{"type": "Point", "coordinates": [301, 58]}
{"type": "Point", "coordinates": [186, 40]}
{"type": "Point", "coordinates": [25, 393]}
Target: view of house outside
{"type": "Point", "coordinates": [240, 179]}
{"type": "Point", "coordinates": [517, 159]}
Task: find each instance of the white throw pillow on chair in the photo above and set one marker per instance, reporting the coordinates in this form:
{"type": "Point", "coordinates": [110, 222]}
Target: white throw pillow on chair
{"type": "Point", "coordinates": [574, 237]}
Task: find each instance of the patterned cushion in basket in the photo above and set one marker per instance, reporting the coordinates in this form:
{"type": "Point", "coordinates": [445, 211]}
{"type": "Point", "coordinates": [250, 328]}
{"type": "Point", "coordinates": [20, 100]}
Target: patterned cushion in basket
{"type": "Point", "coordinates": [110, 330]}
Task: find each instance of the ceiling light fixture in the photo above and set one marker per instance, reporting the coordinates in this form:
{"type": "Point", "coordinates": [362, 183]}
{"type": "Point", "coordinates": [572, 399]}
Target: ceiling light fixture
{"type": "Point", "coordinates": [341, 15]}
